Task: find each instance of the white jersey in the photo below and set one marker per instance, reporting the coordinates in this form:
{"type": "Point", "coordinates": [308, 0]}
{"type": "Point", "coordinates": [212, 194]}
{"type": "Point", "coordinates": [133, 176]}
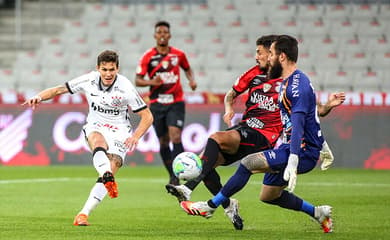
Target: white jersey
{"type": "Point", "coordinates": [108, 108]}
{"type": "Point", "coordinates": [109, 105]}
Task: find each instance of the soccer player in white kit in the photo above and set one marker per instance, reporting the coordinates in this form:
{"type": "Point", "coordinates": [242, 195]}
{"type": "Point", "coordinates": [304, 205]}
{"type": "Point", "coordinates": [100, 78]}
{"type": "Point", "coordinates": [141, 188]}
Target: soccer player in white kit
{"type": "Point", "coordinates": [108, 130]}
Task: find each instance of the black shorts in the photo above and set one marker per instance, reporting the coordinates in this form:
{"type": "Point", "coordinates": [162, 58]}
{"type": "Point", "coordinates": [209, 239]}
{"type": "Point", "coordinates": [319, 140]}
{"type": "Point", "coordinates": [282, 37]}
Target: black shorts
{"type": "Point", "coordinates": [167, 115]}
{"type": "Point", "coordinates": [251, 141]}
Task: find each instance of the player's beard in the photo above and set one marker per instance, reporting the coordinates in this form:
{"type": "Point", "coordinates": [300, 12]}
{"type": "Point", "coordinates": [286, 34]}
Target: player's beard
{"type": "Point", "coordinates": [275, 71]}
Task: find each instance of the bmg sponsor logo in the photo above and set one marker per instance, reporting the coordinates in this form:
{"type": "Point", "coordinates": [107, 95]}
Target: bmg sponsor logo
{"type": "Point", "coordinates": [100, 109]}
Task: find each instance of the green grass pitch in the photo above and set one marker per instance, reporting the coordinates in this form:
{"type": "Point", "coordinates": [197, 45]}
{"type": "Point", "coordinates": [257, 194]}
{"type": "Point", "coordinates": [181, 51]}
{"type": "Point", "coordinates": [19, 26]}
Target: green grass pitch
{"type": "Point", "coordinates": [40, 203]}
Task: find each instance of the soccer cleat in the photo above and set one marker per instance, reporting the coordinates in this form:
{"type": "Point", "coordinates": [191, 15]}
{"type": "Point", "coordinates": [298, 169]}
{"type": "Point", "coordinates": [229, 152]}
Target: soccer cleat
{"type": "Point", "coordinates": [181, 192]}
{"type": "Point", "coordinates": [110, 184]}
{"type": "Point", "coordinates": [233, 214]}
{"type": "Point", "coordinates": [197, 208]}
{"type": "Point", "coordinates": [323, 216]}
{"type": "Point", "coordinates": [81, 220]}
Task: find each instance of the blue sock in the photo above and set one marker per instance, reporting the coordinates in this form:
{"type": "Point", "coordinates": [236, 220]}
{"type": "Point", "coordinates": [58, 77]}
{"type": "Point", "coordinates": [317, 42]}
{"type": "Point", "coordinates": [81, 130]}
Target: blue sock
{"type": "Point", "coordinates": [307, 208]}
{"type": "Point", "coordinates": [233, 185]}
{"type": "Point", "coordinates": [218, 199]}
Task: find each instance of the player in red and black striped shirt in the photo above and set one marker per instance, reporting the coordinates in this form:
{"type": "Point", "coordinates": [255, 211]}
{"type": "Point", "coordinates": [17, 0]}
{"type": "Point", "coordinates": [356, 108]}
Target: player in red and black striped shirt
{"type": "Point", "coordinates": [162, 64]}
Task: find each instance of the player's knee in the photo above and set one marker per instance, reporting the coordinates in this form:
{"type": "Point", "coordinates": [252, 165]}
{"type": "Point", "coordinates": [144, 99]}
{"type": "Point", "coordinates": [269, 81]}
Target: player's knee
{"type": "Point", "coordinates": [254, 162]}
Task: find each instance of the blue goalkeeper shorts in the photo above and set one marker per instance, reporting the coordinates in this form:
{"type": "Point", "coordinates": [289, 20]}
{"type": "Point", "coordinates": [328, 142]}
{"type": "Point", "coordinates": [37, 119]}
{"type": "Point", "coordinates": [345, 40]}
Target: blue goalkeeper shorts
{"type": "Point", "coordinates": [277, 160]}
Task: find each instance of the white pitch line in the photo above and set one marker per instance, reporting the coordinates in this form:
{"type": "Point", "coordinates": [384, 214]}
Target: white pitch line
{"type": "Point", "coordinates": [163, 180]}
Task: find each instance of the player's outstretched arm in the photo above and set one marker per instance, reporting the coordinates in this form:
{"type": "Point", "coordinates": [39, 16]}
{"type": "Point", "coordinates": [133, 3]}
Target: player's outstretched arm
{"type": "Point", "coordinates": [46, 94]}
{"type": "Point", "coordinates": [334, 100]}
{"type": "Point", "coordinates": [143, 126]}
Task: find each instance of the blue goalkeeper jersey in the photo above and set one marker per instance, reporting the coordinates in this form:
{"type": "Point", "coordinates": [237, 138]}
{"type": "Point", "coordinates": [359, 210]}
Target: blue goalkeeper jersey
{"type": "Point", "coordinates": [297, 96]}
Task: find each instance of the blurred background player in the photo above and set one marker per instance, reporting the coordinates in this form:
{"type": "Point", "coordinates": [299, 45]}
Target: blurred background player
{"type": "Point", "coordinates": [108, 130]}
{"type": "Point", "coordinates": [162, 64]}
{"type": "Point", "coordinates": [299, 152]}
{"type": "Point", "coordinates": [258, 130]}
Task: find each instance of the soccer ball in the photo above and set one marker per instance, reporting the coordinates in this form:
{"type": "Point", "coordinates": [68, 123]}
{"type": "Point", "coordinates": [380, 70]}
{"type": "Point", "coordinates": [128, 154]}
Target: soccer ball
{"type": "Point", "coordinates": [187, 166]}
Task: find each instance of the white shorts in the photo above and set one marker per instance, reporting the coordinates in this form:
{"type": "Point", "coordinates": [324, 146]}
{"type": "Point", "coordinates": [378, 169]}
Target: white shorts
{"type": "Point", "coordinates": [115, 136]}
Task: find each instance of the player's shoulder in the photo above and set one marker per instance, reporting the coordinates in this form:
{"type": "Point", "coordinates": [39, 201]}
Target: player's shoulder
{"type": "Point", "coordinates": [176, 50]}
{"type": "Point", "coordinates": [88, 77]}
{"type": "Point", "coordinates": [149, 53]}
{"type": "Point", "coordinates": [123, 80]}
{"type": "Point", "coordinates": [251, 73]}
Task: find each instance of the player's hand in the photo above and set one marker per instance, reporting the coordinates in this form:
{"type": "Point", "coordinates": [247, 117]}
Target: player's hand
{"type": "Point", "coordinates": [336, 99]}
{"type": "Point", "coordinates": [131, 143]}
{"type": "Point", "coordinates": [33, 102]}
{"type": "Point", "coordinates": [326, 156]}
{"type": "Point", "coordinates": [290, 173]}
{"type": "Point", "coordinates": [227, 118]}
{"type": "Point", "coordinates": [193, 85]}
{"type": "Point", "coordinates": [156, 81]}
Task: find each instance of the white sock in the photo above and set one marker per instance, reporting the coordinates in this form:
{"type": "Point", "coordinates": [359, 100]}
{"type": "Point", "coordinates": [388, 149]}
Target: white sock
{"type": "Point", "coordinates": [96, 195]}
{"type": "Point", "coordinates": [101, 162]}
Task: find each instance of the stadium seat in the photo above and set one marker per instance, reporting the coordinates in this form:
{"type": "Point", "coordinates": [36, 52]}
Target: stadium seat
{"type": "Point", "coordinates": [180, 28]}
{"type": "Point", "coordinates": [146, 11]}
{"type": "Point", "coordinates": [185, 43]}
{"type": "Point", "coordinates": [55, 77]}
{"type": "Point", "coordinates": [352, 43]}
{"type": "Point", "coordinates": [364, 11]}
{"type": "Point", "coordinates": [123, 27]}
{"type": "Point", "coordinates": [367, 80]}
{"type": "Point", "coordinates": [95, 12]}
{"type": "Point", "coordinates": [122, 12]}
{"type": "Point", "coordinates": [27, 60]}
{"type": "Point", "coordinates": [222, 81]}
{"type": "Point", "coordinates": [289, 26]}
{"type": "Point", "coordinates": [310, 11]}
{"type": "Point", "coordinates": [356, 60]}
{"type": "Point", "coordinates": [382, 60]}
{"type": "Point", "coordinates": [371, 26]}
{"type": "Point", "coordinates": [337, 11]}
{"type": "Point", "coordinates": [200, 11]}
{"type": "Point", "coordinates": [338, 80]}
{"type": "Point", "coordinates": [175, 11]}
{"type": "Point", "coordinates": [240, 43]}
{"type": "Point", "coordinates": [385, 83]}
{"type": "Point", "coordinates": [30, 81]}
{"type": "Point", "coordinates": [378, 44]}
{"type": "Point", "coordinates": [203, 79]}
{"type": "Point", "coordinates": [315, 28]}
{"type": "Point", "coordinates": [215, 60]}
{"type": "Point", "coordinates": [343, 26]}
{"type": "Point", "coordinates": [306, 60]}
{"type": "Point", "coordinates": [212, 42]}
{"type": "Point", "coordinates": [239, 61]}
{"type": "Point", "coordinates": [8, 80]}
{"type": "Point", "coordinates": [54, 60]}
{"type": "Point", "coordinates": [275, 10]}
{"type": "Point", "coordinates": [316, 78]}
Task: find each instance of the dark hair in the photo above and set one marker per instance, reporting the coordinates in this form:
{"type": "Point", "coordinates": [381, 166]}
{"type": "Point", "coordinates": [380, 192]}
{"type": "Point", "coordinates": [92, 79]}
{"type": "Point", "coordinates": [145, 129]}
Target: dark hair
{"type": "Point", "coordinates": [162, 23]}
{"type": "Point", "coordinates": [108, 56]}
{"type": "Point", "coordinates": [266, 40]}
{"type": "Point", "coordinates": [287, 45]}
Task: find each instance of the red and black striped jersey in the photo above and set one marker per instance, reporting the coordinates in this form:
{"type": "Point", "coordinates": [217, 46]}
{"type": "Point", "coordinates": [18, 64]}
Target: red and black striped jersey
{"type": "Point", "coordinates": [168, 67]}
{"type": "Point", "coordinates": [262, 110]}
